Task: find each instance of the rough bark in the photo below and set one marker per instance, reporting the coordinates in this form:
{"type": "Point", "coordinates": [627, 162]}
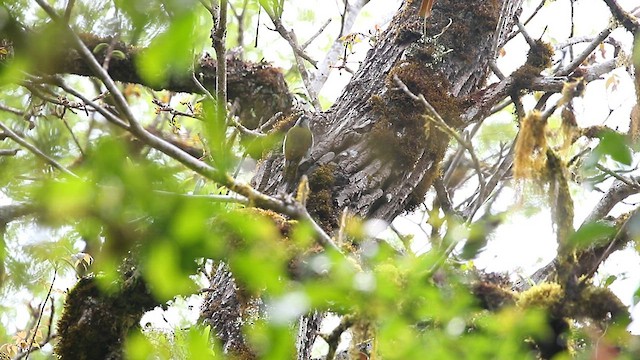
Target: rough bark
{"type": "Point", "coordinates": [223, 310]}
{"type": "Point", "coordinates": [375, 153]}
{"type": "Point", "coordinates": [374, 137]}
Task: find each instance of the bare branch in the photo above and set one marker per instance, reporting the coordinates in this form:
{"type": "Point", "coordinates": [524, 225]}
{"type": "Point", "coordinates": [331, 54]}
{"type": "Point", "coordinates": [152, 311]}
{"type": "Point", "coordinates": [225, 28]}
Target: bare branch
{"type": "Point", "coordinates": [602, 35]}
{"type": "Point", "coordinates": [34, 150]}
{"type": "Point", "coordinates": [321, 75]}
{"type": "Point", "coordinates": [11, 212]}
{"type": "Point", "coordinates": [44, 303]}
{"type": "Point", "coordinates": [9, 152]}
{"type": "Point", "coordinates": [314, 36]}
{"type": "Point", "coordinates": [98, 70]}
{"type": "Point", "coordinates": [219, 38]}
{"type": "Point", "coordinates": [9, 109]}
{"type": "Point", "coordinates": [299, 55]}
{"type": "Point", "coordinates": [627, 20]}
{"type": "Point", "coordinates": [439, 121]}
{"type": "Point", "coordinates": [333, 339]}
{"type": "Point", "coordinates": [617, 192]}
{"type": "Point", "coordinates": [215, 198]}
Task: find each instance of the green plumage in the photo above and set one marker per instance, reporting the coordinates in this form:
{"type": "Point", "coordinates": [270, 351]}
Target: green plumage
{"type": "Point", "coordinates": [296, 146]}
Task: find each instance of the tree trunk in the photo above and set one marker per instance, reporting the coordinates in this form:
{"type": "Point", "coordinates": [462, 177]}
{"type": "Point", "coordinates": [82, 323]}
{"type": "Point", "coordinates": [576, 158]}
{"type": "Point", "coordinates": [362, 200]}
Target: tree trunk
{"type": "Point", "coordinates": [383, 153]}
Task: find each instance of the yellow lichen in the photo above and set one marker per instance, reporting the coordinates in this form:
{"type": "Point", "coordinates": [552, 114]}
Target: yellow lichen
{"type": "Point", "coordinates": [531, 147]}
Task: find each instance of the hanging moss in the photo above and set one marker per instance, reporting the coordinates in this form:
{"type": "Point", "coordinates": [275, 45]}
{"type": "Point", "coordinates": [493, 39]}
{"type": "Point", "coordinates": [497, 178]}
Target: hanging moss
{"type": "Point", "coordinates": [531, 147]}
{"type": "Point", "coordinates": [560, 200]}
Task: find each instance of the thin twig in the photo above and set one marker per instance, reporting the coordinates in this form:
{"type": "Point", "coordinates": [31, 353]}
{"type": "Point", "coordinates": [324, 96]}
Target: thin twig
{"type": "Point", "coordinates": [617, 176]}
{"type": "Point", "coordinates": [325, 65]}
{"type": "Point", "coordinates": [215, 198]}
{"type": "Point", "coordinates": [73, 136]}
{"type": "Point", "coordinates": [270, 122]}
{"type": "Point", "coordinates": [119, 99]}
{"type": "Point", "coordinates": [9, 152]}
{"type": "Point", "coordinates": [299, 55]}
{"type": "Point", "coordinates": [258, 198]}
{"type": "Point", "coordinates": [14, 111]}
{"type": "Point", "coordinates": [438, 121]}
{"type": "Point", "coordinates": [112, 118]}
{"type": "Point", "coordinates": [602, 35]}
{"type": "Point", "coordinates": [34, 150]}
{"type": "Point", "coordinates": [525, 34]}
{"type": "Point", "coordinates": [162, 107]}
{"type": "Point", "coordinates": [204, 90]}
{"type": "Point", "coordinates": [44, 303]}
{"type": "Point", "coordinates": [314, 36]}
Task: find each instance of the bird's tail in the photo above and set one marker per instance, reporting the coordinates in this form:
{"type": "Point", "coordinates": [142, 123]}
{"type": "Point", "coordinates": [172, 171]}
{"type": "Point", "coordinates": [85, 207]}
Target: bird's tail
{"type": "Point", "coordinates": [290, 174]}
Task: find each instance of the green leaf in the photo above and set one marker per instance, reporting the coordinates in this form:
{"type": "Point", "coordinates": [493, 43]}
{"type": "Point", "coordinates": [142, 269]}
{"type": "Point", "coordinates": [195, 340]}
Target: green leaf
{"type": "Point", "coordinates": [119, 55]}
{"type": "Point", "coordinates": [170, 52]}
{"type": "Point", "coordinates": [199, 345]}
{"type": "Point", "coordinates": [615, 145]}
{"type": "Point", "coordinates": [164, 273]}
{"type": "Point", "coordinates": [590, 234]}
{"type": "Point", "coordinates": [67, 199]}
{"type": "Point", "coordinates": [100, 48]}
{"type": "Point", "coordinates": [138, 346]}
{"type": "Point", "coordinates": [609, 280]}
{"type": "Point", "coordinates": [636, 296]}
{"type": "Point", "coordinates": [636, 51]}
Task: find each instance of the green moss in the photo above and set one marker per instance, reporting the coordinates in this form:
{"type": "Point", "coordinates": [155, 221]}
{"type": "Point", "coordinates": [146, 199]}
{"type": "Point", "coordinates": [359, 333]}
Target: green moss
{"type": "Point", "coordinates": [432, 85]}
{"type": "Point", "coordinates": [492, 296]}
{"type": "Point", "coordinates": [545, 295]}
{"type": "Point", "coordinates": [283, 225]}
{"type": "Point", "coordinates": [322, 177]}
{"type": "Point", "coordinates": [540, 55]}
{"type": "Point", "coordinates": [538, 59]}
{"type": "Point", "coordinates": [320, 206]}
{"type": "Point", "coordinates": [402, 132]}
{"type": "Point", "coordinates": [94, 322]}
{"type": "Point", "coordinates": [320, 203]}
{"type": "Point", "coordinates": [600, 304]}
{"type": "Point", "coordinates": [87, 316]}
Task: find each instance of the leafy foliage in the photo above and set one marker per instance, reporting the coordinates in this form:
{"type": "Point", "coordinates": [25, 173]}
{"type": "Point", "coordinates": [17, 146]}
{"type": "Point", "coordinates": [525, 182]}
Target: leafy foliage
{"type": "Point", "coordinates": [128, 196]}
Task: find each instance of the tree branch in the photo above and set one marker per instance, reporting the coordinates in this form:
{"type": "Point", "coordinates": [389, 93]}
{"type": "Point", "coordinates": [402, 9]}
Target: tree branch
{"type": "Point", "coordinates": [34, 150]}
{"type": "Point", "coordinates": [321, 75]}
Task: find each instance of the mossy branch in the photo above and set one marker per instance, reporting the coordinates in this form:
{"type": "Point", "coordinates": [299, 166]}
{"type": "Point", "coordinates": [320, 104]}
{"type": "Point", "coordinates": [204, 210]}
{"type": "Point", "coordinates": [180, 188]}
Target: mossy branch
{"type": "Point", "coordinates": [434, 117]}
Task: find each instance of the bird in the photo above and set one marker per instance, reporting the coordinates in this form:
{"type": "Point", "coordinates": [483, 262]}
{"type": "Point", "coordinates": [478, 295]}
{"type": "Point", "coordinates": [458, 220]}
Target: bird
{"type": "Point", "coordinates": [296, 145]}
{"type": "Point", "coordinates": [425, 8]}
